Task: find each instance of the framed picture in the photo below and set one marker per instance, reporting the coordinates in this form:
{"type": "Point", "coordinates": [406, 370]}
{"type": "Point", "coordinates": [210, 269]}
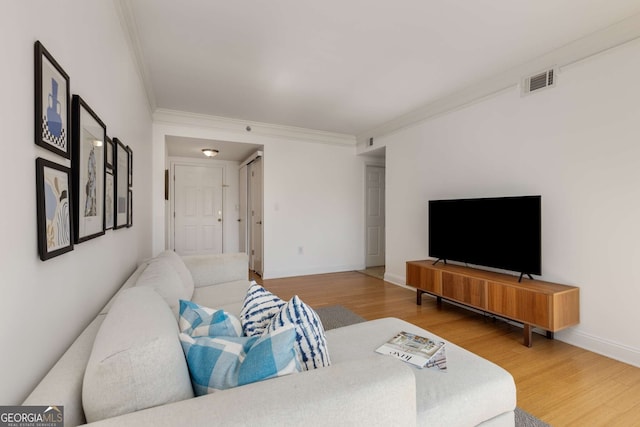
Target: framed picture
{"type": "Point", "coordinates": [121, 184]}
{"type": "Point", "coordinates": [109, 155]}
{"type": "Point", "coordinates": [52, 106]}
{"type": "Point", "coordinates": [130, 152]}
{"type": "Point", "coordinates": [130, 212]}
{"type": "Point", "coordinates": [89, 135]}
{"type": "Point", "coordinates": [109, 201]}
{"type": "Point", "coordinates": [53, 192]}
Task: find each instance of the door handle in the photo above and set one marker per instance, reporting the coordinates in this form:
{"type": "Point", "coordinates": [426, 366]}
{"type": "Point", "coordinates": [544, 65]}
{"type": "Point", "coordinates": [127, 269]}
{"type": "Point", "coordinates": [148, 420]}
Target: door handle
{"type": "Point", "coordinates": [259, 222]}
{"type": "Point", "coordinates": [219, 219]}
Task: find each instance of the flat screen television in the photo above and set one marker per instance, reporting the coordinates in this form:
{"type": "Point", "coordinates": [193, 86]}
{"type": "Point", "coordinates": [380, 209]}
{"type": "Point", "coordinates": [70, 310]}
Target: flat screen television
{"type": "Point", "coordinates": [499, 232]}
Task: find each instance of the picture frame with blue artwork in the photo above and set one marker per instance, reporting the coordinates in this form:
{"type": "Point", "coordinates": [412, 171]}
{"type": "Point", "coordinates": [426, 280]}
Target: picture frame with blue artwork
{"type": "Point", "coordinates": [88, 167]}
{"type": "Point", "coordinates": [54, 212]}
{"type": "Point", "coordinates": [52, 103]}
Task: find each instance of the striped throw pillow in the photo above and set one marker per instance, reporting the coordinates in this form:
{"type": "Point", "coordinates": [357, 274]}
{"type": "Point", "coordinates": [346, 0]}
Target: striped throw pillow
{"type": "Point", "coordinates": [311, 344]}
{"type": "Point", "coordinates": [258, 309]}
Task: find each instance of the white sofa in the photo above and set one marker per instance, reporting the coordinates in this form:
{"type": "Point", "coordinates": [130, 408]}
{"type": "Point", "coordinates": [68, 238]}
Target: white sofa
{"type": "Point", "coordinates": [361, 387]}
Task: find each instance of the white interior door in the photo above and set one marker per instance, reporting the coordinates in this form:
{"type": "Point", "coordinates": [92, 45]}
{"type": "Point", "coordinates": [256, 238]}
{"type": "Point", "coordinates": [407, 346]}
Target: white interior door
{"type": "Point", "coordinates": [242, 215]}
{"type": "Point", "coordinates": [197, 209]}
{"type": "Point", "coordinates": [375, 216]}
{"type": "Point", "coordinates": [255, 215]}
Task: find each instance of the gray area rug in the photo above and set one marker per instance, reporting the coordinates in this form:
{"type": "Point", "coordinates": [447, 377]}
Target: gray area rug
{"type": "Point", "coordinates": [525, 419]}
{"type": "Point", "coordinates": [336, 316]}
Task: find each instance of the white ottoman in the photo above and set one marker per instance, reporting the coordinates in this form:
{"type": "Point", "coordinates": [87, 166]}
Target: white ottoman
{"type": "Point", "coordinates": [472, 391]}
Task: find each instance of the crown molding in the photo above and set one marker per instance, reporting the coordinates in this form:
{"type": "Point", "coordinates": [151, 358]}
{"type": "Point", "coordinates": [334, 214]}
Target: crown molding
{"type": "Point", "coordinates": [130, 30]}
{"type": "Point", "coordinates": [239, 128]}
{"type": "Point", "coordinates": [596, 43]}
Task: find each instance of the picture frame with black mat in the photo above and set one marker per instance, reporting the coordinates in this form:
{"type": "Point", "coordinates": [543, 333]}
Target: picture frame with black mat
{"type": "Point", "coordinates": [52, 103]}
{"type": "Point", "coordinates": [121, 175]}
{"type": "Point", "coordinates": [88, 166]}
{"type": "Point", "coordinates": [53, 205]}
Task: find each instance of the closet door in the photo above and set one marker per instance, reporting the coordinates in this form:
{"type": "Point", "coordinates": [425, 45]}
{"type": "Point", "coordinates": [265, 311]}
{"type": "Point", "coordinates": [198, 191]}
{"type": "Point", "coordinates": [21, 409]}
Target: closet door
{"type": "Point", "coordinates": [255, 215]}
{"type": "Point", "coordinates": [242, 215]}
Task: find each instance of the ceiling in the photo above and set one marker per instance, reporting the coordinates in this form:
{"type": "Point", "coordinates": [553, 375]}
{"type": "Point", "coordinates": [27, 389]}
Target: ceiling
{"type": "Point", "coordinates": [343, 66]}
{"type": "Point", "coordinates": [179, 146]}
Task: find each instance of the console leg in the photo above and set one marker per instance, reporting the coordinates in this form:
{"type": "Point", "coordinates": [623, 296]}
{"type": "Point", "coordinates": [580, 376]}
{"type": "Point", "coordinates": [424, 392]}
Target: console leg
{"type": "Point", "coordinates": [549, 335]}
{"type": "Point", "coordinates": [528, 338]}
{"type": "Point", "coordinates": [439, 300]}
{"type": "Point", "coordinates": [419, 296]}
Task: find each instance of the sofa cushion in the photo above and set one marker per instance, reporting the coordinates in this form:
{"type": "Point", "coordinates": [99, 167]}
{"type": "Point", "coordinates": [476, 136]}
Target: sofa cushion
{"type": "Point", "coordinates": [259, 307]}
{"type": "Point", "coordinates": [165, 280]}
{"type": "Point", "coordinates": [218, 363]}
{"type": "Point", "coordinates": [311, 344]}
{"type": "Point", "coordinates": [178, 264]}
{"type": "Point", "coordinates": [199, 321]}
{"type": "Point", "coordinates": [136, 361]}
{"type": "Point", "coordinates": [221, 295]}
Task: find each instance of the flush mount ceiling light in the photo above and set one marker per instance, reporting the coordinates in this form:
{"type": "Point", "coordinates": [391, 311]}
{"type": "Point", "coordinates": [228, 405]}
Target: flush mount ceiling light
{"type": "Point", "coordinates": [210, 152]}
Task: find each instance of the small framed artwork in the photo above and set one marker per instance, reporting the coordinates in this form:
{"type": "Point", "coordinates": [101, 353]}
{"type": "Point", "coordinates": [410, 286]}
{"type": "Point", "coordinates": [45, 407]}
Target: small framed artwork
{"type": "Point", "coordinates": [109, 155]}
{"type": "Point", "coordinates": [52, 106]}
{"type": "Point", "coordinates": [130, 152]}
{"type": "Point", "coordinates": [88, 165]}
{"type": "Point", "coordinates": [109, 200]}
{"type": "Point", "coordinates": [130, 212]}
{"type": "Point", "coordinates": [166, 184]}
{"type": "Point", "coordinates": [121, 184]}
{"type": "Point", "coordinates": [53, 193]}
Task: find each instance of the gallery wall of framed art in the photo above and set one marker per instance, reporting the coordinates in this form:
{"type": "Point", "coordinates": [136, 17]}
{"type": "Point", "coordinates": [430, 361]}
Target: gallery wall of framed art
{"type": "Point", "coordinates": [94, 194]}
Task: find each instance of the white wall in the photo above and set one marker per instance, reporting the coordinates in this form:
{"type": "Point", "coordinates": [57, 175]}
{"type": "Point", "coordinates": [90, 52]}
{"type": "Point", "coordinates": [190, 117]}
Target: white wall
{"type": "Point", "coordinates": [313, 196]}
{"type": "Point", "coordinates": [578, 146]}
{"type": "Point", "coordinates": [45, 305]}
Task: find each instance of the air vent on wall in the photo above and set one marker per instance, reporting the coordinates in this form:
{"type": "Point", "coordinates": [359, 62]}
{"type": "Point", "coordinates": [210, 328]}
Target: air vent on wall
{"type": "Point", "coordinates": [538, 81]}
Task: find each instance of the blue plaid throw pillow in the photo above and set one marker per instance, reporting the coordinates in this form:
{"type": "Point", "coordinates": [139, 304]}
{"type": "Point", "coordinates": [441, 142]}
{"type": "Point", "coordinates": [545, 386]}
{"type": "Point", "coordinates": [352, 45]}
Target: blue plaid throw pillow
{"type": "Point", "coordinates": [199, 321]}
{"type": "Point", "coordinates": [259, 307]}
{"type": "Point", "coordinates": [311, 344]}
{"type": "Point", "coordinates": [218, 363]}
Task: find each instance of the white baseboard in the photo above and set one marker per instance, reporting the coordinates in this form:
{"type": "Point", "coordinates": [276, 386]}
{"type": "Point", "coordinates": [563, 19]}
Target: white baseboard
{"type": "Point", "coordinates": [601, 346]}
{"type": "Point", "coordinates": [396, 280]}
{"type": "Point", "coordinates": [307, 271]}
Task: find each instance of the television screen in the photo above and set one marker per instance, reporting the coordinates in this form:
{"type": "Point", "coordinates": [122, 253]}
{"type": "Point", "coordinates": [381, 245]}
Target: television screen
{"type": "Point", "coordinates": [501, 232]}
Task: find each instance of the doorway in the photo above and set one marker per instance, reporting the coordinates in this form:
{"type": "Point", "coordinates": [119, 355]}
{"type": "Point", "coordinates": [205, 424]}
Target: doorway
{"type": "Point", "coordinates": [375, 216]}
{"type": "Point", "coordinates": [198, 209]}
{"type": "Point", "coordinates": [251, 211]}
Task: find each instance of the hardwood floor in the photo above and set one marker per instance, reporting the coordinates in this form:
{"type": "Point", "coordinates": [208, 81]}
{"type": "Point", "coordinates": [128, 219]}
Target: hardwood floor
{"type": "Point", "coordinates": [561, 384]}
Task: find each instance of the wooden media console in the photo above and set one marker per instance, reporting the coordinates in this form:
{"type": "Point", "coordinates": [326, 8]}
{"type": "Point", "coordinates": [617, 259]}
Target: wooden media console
{"type": "Point", "coordinates": [534, 303]}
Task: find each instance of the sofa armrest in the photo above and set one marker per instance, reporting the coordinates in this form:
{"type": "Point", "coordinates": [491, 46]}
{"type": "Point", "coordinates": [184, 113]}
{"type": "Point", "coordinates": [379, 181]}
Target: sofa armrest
{"type": "Point", "coordinates": [371, 391]}
{"type": "Point", "coordinates": [209, 270]}
{"type": "Point", "coordinates": [63, 383]}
